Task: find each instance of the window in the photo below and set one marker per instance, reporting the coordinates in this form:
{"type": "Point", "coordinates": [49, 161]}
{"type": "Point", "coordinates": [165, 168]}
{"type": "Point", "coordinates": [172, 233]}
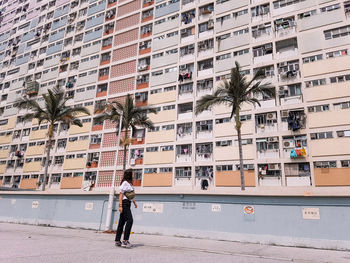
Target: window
{"type": "Point", "coordinates": [321, 135]}
{"type": "Point", "coordinates": [312, 58]}
{"type": "Point", "coordinates": [330, 8]}
{"type": "Point", "coordinates": [319, 108]}
{"type": "Point", "coordinates": [240, 52]}
{"type": "Point", "coordinates": [315, 83]}
{"type": "Point", "coordinates": [152, 149]}
{"type": "Point", "coordinates": [343, 133]}
{"type": "Point", "coordinates": [345, 163]}
{"type": "Point", "coordinates": [341, 78]}
{"type": "Point", "coordinates": [167, 148]}
{"type": "Point", "coordinates": [150, 170]}
{"type": "Point", "coordinates": [325, 164]}
{"type": "Point", "coordinates": [338, 53]}
{"type": "Point", "coordinates": [342, 105]}
{"type": "Point", "coordinates": [336, 32]}
{"type": "Point", "coordinates": [166, 170]}
{"type": "Point", "coordinates": [227, 167]}
{"type": "Point", "coordinates": [223, 143]}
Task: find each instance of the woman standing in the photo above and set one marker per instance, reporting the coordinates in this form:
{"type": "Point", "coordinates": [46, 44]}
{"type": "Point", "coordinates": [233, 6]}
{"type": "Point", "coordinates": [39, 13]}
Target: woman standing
{"type": "Point", "coordinates": [126, 196]}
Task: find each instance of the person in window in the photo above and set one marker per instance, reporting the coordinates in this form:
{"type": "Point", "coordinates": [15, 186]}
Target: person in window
{"type": "Point", "coordinates": [126, 196]}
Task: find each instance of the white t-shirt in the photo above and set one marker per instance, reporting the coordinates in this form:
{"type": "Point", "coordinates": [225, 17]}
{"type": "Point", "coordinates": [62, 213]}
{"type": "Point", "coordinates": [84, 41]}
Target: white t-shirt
{"type": "Point", "coordinates": [125, 187]}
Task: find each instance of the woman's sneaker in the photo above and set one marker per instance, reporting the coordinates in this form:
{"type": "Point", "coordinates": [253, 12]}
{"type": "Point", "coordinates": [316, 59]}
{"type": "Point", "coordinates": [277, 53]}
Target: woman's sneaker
{"type": "Point", "coordinates": [118, 243]}
{"type": "Point", "coordinates": [126, 244]}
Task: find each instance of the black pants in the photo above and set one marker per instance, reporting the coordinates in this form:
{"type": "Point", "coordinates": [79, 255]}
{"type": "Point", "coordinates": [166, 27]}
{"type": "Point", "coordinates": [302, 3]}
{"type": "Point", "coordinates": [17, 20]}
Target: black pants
{"type": "Point", "coordinates": [126, 219]}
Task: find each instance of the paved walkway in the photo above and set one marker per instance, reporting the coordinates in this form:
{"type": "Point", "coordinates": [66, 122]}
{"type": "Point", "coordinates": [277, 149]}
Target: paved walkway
{"type": "Point", "coordinates": [24, 243]}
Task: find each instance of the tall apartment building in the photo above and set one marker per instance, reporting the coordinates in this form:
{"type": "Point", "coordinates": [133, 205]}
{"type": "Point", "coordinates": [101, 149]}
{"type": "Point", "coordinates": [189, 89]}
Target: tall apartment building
{"type": "Point", "coordinates": [168, 54]}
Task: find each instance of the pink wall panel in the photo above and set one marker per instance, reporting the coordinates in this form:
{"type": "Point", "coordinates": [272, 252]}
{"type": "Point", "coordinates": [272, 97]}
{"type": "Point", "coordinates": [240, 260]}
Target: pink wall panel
{"type": "Point", "coordinates": [123, 85]}
{"type": "Point", "coordinates": [129, 7]}
{"type": "Point", "coordinates": [125, 52]}
{"type": "Point", "coordinates": [126, 37]}
{"type": "Point", "coordinates": [127, 22]}
{"type": "Point", "coordinates": [123, 69]}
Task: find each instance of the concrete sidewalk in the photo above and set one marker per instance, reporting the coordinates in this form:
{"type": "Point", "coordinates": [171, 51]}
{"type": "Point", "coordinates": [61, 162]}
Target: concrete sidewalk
{"type": "Point", "coordinates": [25, 243]}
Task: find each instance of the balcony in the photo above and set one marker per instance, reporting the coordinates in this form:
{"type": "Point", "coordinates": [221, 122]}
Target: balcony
{"type": "Point", "coordinates": [286, 48]}
{"type": "Point", "coordinates": [268, 148]}
{"type": "Point", "coordinates": [269, 174]}
{"type": "Point", "coordinates": [204, 152]}
{"type": "Point", "coordinates": [297, 174]}
{"type": "Point", "coordinates": [184, 153]}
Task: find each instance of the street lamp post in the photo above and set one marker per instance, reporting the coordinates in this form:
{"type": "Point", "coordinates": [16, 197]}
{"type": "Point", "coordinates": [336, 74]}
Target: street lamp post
{"type": "Point", "coordinates": [112, 190]}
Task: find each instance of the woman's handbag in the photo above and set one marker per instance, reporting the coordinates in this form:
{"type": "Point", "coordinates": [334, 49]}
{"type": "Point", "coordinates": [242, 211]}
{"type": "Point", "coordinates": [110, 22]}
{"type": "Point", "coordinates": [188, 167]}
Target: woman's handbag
{"type": "Point", "coordinates": [130, 195]}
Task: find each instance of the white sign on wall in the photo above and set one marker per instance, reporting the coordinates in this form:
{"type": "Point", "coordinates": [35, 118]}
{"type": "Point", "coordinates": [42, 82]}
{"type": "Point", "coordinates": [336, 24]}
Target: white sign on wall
{"type": "Point", "coordinates": [35, 204]}
{"type": "Point", "coordinates": [152, 208]}
{"type": "Point", "coordinates": [89, 206]}
{"type": "Point", "coordinates": [216, 208]}
{"type": "Point", "coordinates": [311, 213]}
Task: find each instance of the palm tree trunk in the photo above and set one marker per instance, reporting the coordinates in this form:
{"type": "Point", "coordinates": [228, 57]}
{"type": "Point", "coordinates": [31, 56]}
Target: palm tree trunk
{"type": "Point", "coordinates": [239, 135]}
{"type": "Point", "coordinates": [125, 148]}
{"type": "Point", "coordinates": [48, 150]}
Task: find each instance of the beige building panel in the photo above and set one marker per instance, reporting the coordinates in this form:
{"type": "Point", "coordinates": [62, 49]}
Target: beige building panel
{"type": "Point", "coordinates": [163, 116]}
{"type": "Point", "coordinates": [71, 182]}
{"type": "Point", "coordinates": [77, 146]}
{"type": "Point", "coordinates": [37, 135]}
{"type": "Point", "coordinates": [332, 176]}
{"type": "Point", "coordinates": [32, 167]}
{"type": "Point", "coordinates": [326, 92]}
{"type": "Point", "coordinates": [161, 157]}
{"type": "Point", "coordinates": [326, 66]}
{"type": "Point", "coordinates": [162, 97]}
{"type": "Point", "coordinates": [35, 122]}
{"type": "Point", "coordinates": [10, 124]}
{"type": "Point", "coordinates": [4, 154]}
{"type": "Point", "coordinates": [158, 180]}
{"type": "Point", "coordinates": [330, 147]}
{"type": "Point", "coordinates": [28, 183]}
{"type": "Point", "coordinates": [74, 164]}
{"type": "Point", "coordinates": [74, 129]}
{"type": "Point", "coordinates": [5, 139]}
{"type": "Point", "coordinates": [90, 109]}
{"type": "Point", "coordinates": [230, 153]}
{"type": "Point", "coordinates": [328, 119]}
{"type": "Point", "coordinates": [35, 150]}
{"type": "Point", "coordinates": [223, 109]}
{"type": "Point", "coordinates": [229, 129]}
{"type": "Point", "coordinates": [233, 178]}
{"type": "Point", "coordinates": [2, 168]}
{"type": "Point", "coordinates": [160, 136]}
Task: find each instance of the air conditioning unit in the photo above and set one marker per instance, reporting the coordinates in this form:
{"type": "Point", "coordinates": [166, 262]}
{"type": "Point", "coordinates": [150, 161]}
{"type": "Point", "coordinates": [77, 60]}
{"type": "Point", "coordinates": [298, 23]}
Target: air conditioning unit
{"type": "Point", "coordinates": [272, 139]}
{"type": "Point", "coordinates": [139, 78]}
{"type": "Point", "coordinates": [288, 144]}
{"type": "Point", "coordinates": [224, 143]}
{"type": "Point", "coordinates": [183, 66]}
{"type": "Point", "coordinates": [202, 122]}
{"type": "Point", "coordinates": [210, 24]}
{"type": "Point", "coordinates": [271, 116]}
{"type": "Point", "coordinates": [340, 133]}
{"type": "Point", "coordinates": [273, 167]}
{"type": "Point", "coordinates": [183, 31]}
{"type": "Point", "coordinates": [283, 64]}
{"type": "Point", "coordinates": [284, 114]}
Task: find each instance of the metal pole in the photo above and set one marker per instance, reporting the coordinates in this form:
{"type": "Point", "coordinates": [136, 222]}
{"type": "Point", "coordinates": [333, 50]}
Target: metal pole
{"type": "Point", "coordinates": [112, 190]}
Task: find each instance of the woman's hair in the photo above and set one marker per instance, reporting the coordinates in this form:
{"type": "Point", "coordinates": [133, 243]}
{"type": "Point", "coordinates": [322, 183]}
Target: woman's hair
{"type": "Point", "coordinates": [127, 176]}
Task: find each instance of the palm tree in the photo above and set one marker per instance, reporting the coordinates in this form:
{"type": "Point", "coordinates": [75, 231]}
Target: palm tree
{"type": "Point", "coordinates": [132, 116]}
{"type": "Point", "coordinates": [234, 93]}
{"type": "Point", "coordinates": [53, 112]}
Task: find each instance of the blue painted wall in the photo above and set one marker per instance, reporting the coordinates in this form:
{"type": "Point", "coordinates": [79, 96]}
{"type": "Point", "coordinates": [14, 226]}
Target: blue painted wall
{"type": "Point", "coordinates": [276, 219]}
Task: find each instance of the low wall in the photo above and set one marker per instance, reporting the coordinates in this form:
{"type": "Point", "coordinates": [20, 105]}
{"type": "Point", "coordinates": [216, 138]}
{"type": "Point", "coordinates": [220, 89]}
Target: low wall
{"type": "Point", "coordinates": [319, 222]}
